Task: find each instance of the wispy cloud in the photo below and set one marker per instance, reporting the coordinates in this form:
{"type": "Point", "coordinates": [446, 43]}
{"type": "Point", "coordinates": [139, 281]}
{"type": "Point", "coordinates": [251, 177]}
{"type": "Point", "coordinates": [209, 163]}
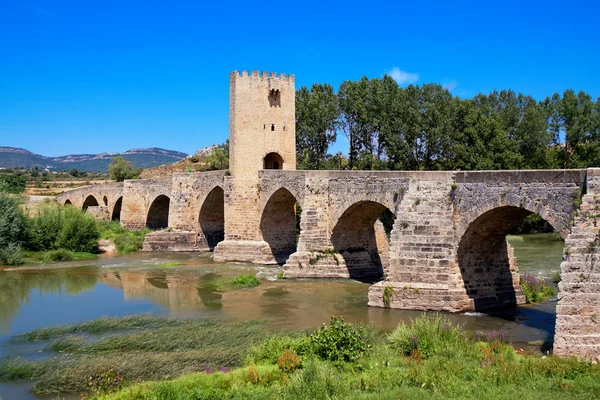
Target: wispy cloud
{"type": "Point", "coordinates": [450, 85]}
{"type": "Point", "coordinates": [402, 77]}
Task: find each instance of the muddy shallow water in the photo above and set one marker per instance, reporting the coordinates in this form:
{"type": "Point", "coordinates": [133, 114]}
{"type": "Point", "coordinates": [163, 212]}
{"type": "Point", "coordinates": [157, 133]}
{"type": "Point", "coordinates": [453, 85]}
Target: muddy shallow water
{"type": "Point", "coordinates": [183, 285]}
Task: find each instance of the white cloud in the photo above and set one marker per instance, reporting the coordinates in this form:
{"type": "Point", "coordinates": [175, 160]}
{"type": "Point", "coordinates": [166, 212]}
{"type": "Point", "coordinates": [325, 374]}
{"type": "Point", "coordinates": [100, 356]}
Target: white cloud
{"type": "Point", "coordinates": [403, 77]}
{"type": "Point", "coordinates": [450, 85]}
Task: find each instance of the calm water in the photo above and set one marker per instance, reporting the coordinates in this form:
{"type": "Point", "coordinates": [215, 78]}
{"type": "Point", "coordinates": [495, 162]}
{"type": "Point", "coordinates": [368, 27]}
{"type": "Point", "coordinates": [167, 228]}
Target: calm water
{"type": "Point", "coordinates": [151, 283]}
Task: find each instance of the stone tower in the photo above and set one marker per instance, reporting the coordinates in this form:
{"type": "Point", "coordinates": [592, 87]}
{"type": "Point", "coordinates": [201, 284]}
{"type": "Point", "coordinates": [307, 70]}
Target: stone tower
{"type": "Point", "coordinates": [262, 135]}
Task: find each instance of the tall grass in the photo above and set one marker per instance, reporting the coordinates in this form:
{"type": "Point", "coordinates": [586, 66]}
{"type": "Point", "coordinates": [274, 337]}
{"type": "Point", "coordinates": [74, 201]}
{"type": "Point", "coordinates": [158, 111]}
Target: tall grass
{"type": "Point", "coordinates": [442, 362]}
{"type": "Point", "coordinates": [126, 241]}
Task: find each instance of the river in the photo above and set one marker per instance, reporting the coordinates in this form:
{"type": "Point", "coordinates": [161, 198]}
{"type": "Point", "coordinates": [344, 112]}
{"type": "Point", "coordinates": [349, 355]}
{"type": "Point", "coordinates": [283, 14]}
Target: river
{"type": "Point", "coordinates": [183, 285]}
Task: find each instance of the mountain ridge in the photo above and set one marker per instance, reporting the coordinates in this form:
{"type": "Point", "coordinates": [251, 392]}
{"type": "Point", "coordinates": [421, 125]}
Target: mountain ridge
{"type": "Point", "coordinates": [11, 157]}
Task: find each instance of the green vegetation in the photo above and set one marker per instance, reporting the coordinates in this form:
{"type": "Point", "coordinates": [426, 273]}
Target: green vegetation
{"type": "Point", "coordinates": [14, 184]}
{"type": "Point", "coordinates": [428, 359]}
{"type": "Point", "coordinates": [126, 241]}
{"type": "Point", "coordinates": [119, 169]}
{"type": "Point", "coordinates": [535, 289]}
{"type": "Point", "coordinates": [387, 296]}
{"type": "Point", "coordinates": [56, 233]}
{"type": "Point", "coordinates": [239, 282]}
{"type": "Point", "coordinates": [427, 128]}
{"type": "Point", "coordinates": [136, 348]}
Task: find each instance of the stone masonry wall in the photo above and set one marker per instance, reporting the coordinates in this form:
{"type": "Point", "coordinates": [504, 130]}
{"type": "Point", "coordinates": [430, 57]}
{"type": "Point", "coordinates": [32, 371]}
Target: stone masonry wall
{"type": "Point", "coordinates": [138, 195]}
{"type": "Point", "coordinates": [578, 309]}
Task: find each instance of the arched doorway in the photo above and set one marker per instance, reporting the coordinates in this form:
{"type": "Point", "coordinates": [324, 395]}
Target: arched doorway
{"type": "Point", "coordinates": [211, 220]}
{"type": "Point", "coordinates": [278, 225]}
{"type": "Point", "coordinates": [90, 201]}
{"type": "Point", "coordinates": [158, 214]}
{"type": "Point", "coordinates": [116, 214]}
{"type": "Point", "coordinates": [487, 262]}
{"type": "Point", "coordinates": [361, 236]}
{"type": "Point", "coordinates": [273, 161]}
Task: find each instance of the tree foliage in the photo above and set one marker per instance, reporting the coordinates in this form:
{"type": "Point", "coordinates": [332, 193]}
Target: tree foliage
{"type": "Point", "coordinates": [120, 169]}
{"type": "Point", "coordinates": [12, 183]}
{"type": "Point", "coordinates": [427, 128]}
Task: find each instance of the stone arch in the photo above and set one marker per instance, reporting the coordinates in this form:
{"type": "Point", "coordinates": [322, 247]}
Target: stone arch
{"type": "Point", "coordinates": [486, 260]}
{"type": "Point", "coordinates": [278, 224]}
{"type": "Point", "coordinates": [105, 201]}
{"type": "Point", "coordinates": [90, 201]}
{"type": "Point", "coordinates": [211, 219]}
{"type": "Point", "coordinates": [273, 161]}
{"type": "Point", "coordinates": [158, 214]}
{"type": "Point", "coordinates": [116, 214]}
{"type": "Point", "coordinates": [68, 203]}
{"type": "Point", "coordinates": [361, 238]}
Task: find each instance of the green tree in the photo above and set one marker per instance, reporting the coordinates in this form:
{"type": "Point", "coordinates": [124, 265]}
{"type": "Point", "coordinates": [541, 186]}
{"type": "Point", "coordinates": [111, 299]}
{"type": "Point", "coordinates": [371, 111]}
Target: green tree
{"type": "Point", "coordinates": [219, 158]}
{"type": "Point", "coordinates": [316, 121]}
{"type": "Point", "coordinates": [120, 169]}
{"type": "Point", "coordinates": [12, 184]}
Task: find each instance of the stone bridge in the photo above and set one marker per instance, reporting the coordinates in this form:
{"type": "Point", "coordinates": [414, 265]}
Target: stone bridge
{"type": "Point", "coordinates": [435, 239]}
{"type": "Point", "coordinates": [427, 240]}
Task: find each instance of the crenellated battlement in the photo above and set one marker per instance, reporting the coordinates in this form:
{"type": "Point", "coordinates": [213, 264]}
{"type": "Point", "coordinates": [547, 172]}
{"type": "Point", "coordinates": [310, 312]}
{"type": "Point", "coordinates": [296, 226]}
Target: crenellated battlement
{"type": "Point", "coordinates": [262, 74]}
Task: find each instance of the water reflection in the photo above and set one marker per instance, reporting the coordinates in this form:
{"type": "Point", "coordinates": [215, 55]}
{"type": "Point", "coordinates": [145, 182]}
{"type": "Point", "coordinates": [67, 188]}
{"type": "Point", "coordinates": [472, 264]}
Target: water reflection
{"type": "Point", "coordinates": [145, 283]}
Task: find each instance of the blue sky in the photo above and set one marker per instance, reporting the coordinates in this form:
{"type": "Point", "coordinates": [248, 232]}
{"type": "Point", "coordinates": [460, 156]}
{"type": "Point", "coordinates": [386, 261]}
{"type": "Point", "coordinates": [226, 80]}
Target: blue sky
{"type": "Point", "coordinates": [91, 76]}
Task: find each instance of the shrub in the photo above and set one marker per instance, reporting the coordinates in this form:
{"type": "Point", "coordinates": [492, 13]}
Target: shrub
{"type": "Point", "coordinates": [14, 224]}
{"type": "Point", "coordinates": [339, 341]}
{"type": "Point", "coordinates": [129, 244]}
{"type": "Point", "coordinates": [11, 255]}
{"type": "Point", "coordinates": [271, 349]}
{"type": "Point", "coordinates": [428, 335]}
{"type": "Point", "coordinates": [535, 289]}
{"type": "Point", "coordinates": [78, 232]}
{"type": "Point", "coordinates": [12, 184]}
{"type": "Point", "coordinates": [288, 361]}
{"type": "Point", "coordinates": [58, 255]}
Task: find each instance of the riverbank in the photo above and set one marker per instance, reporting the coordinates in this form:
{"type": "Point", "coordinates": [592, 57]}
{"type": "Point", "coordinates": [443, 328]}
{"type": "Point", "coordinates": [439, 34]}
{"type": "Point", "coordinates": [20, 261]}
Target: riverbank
{"type": "Point", "coordinates": [177, 358]}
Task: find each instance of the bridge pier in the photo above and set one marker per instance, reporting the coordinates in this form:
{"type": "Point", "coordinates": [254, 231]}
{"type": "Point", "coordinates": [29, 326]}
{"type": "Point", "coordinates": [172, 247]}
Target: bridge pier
{"type": "Point", "coordinates": [578, 308]}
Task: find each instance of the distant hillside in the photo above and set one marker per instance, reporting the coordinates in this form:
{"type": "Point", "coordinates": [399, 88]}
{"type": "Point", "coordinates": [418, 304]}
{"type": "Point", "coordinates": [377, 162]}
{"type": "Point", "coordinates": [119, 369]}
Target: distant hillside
{"type": "Point", "coordinates": [11, 157]}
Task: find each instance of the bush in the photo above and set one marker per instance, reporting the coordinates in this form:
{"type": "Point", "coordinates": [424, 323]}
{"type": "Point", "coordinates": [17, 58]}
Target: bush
{"type": "Point", "coordinates": [58, 255]}
{"type": "Point", "coordinates": [128, 244]}
{"type": "Point", "coordinates": [429, 335]}
{"type": "Point", "coordinates": [339, 341]}
{"type": "Point", "coordinates": [12, 184]}
{"type": "Point", "coordinates": [14, 224]}
{"type": "Point", "coordinates": [535, 289]}
{"type": "Point", "coordinates": [271, 349]}
{"type": "Point", "coordinates": [11, 255]}
{"type": "Point", "coordinates": [78, 232]}
{"type": "Point", "coordinates": [68, 228]}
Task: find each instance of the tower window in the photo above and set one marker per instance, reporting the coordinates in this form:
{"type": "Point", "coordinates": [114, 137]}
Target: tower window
{"type": "Point", "coordinates": [272, 127]}
{"type": "Point", "coordinates": [274, 98]}
{"type": "Point", "coordinates": [265, 126]}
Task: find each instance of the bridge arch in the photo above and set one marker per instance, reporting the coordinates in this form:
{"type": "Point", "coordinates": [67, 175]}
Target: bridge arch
{"type": "Point", "coordinates": [158, 213]}
{"type": "Point", "coordinates": [116, 214]}
{"type": "Point", "coordinates": [211, 219]}
{"type": "Point", "coordinates": [273, 160]}
{"type": "Point", "coordinates": [486, 260]}
{"type": "Point", "coordinates": [105, 201]}
{"type": "Point", "coordinates": [68, 203]}
{"type": "Point", "coordinates": [90, 201]}
{"type": "Point", "coordinates": [361, 236]}
{"type": "Point", "coordinates": [278, 224]}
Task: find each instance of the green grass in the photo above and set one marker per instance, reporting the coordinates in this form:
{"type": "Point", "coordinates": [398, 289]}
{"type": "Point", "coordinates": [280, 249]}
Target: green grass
{"type": "Point", "coordinates": [126, 241]}
{"type": "Point", "coordinates": [52, 256]}
{"type": "Point", "coordinates": [238, 282]}
{"type": "Point", "coordinates": [138, 348]}
{"type": "Point", "coordinates": [440, 362]}
{"type": "Point", "coordinates": [166, 358]}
